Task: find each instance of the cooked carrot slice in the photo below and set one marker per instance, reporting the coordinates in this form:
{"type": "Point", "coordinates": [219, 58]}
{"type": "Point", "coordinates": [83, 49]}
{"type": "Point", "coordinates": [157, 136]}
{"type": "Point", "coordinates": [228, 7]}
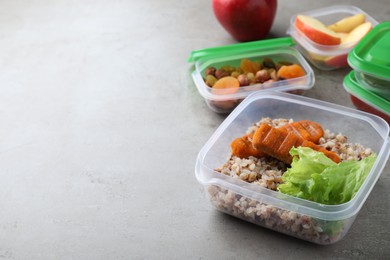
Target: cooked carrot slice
{"type": "Point", "coordinates": [290, 71]}
{"type": "Point", "coordinates": [242, 147]}
{"type": "Point", "coordinates": [314, 130]}
{"type": "Point", "coordinates": [290, 128]}
{"type": "Point", "coordinates": [262, 141]}
{"type": "Point", "coordinates": [271, 137]}
{"type": "Point", "coordinates": [306, 129]}
{"type": "Point", "coordinates": [288, 142]}
{"type": "Point", "coordinates": [226, 85]}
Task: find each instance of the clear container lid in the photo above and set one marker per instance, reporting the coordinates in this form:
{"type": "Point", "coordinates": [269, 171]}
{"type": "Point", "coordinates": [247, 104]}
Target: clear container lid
{"type": "Point", "coordinates": [352, 86]}
{"type": "Point", "coordinates": [371, 55]}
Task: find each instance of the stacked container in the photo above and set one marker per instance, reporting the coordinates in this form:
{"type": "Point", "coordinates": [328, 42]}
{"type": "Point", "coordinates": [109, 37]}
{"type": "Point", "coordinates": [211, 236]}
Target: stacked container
{"type": "Point", "coordinates": [369, 84]}
{"type": "Point", "coordinates": [366, 100]}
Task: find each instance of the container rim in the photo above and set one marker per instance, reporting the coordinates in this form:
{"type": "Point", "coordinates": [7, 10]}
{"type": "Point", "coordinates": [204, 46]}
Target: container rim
{"type": "Point", "coordinates": [317, 210]}
{"type": "Point", "coordinates": [321, 49]}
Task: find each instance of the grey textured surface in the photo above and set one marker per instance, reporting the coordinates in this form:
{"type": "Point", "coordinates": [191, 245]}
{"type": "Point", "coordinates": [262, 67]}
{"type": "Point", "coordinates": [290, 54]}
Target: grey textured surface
{"type": "Point", "coordinates": [101, 125]}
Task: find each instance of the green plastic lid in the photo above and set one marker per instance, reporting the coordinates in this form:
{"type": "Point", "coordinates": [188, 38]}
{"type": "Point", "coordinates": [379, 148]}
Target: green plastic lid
{"type": "Point", "coordinates": [353, 87]}
{"type": "Point", "coordinates": [240, 48]}
{"type": "Point", "coordinates": [371, 55]}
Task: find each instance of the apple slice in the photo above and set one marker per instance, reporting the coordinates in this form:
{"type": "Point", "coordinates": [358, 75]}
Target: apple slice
{"type": "Point", "coordinates": [316, 31]}
{"type": "Point", "coordinates": [347, 24]}
{"type": "Point", "coordinates": [342, 36]}
{"type": "Point", "coordinates": [358, 33]}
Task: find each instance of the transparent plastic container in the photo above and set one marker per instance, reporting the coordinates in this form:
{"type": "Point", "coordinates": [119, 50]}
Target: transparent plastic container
{"type": "Point", "coordinates": [314, 222]}
{"type": "Point", "coordinates": [371, 60]}
{"type": "Point", "coordinates": [279, 50]}
{"type": "Point", "coordinates": [366, 100]}
{"type": "Point", "coordinates": [326, 57]}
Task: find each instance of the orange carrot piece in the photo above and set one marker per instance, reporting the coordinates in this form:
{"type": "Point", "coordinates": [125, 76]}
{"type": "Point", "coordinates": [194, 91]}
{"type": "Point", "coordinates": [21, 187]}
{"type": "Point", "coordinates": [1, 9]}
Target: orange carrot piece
{"type": "Point", "coordinates": [271, 137]}
{"type": "Point", "coordinates": [262, 141]}
{"type": "Point", "coordinates": [314, 130]}
{"type": "Point", "coordinates": [287, 143]}
{"type": "Point", "coordinates": [242, 147]}
{"type": "Point", "coordinates": [306, 129]}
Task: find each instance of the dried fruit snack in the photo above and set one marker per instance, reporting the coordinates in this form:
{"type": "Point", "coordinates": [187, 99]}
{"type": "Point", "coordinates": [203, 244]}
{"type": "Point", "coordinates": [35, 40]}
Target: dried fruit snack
{"type": "Point", "coordinates": [252, 72]}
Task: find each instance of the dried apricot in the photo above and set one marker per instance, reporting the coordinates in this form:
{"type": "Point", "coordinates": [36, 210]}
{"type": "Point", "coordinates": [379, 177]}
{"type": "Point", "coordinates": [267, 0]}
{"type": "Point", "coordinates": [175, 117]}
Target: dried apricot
{"type": "Point", "coordinates": [290, 71]}
{"type": "Point", "coordinates": [226, 85]}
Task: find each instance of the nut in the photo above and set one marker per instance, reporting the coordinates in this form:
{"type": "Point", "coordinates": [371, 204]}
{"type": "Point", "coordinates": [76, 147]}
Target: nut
{"type": "Point", "coordinates": [262, 76]}
{"type": "Point", "coordinates": [243, 79]}
{"type": "Point", "coordinates": [210, 71]}
{"type": "Point", "coordinates": [220, 73]}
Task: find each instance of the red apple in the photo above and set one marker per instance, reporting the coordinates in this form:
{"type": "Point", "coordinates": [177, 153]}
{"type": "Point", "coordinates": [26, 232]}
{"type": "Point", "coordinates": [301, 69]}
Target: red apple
{"type": "Point", "coordinates": [316, 31]}
{"type": "Point", "coordinates": [245, 20]}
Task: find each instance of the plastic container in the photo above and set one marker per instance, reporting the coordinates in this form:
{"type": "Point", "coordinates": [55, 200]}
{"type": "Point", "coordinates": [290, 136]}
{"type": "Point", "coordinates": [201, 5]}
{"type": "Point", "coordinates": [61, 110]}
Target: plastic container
{"type": "Point", "coordinates": [326, 57]}
{"type": "Point", "coordinates": [371, 60]}
{"type": "Point", "coordinates": [366, 100]}
{"type": "Point", "coordinates": [275, 210]}
{"type": "Point", "coordinates": [276, 49]}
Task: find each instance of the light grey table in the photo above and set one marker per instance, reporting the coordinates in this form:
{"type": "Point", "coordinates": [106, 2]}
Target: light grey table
{"type": "Point", "coordinates": [100, 125]}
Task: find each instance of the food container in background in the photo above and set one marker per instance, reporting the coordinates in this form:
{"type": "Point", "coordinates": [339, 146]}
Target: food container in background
{"type": "Point", "coordinates": [371, 60]}
{"type": "Point", "coordinates": [314, 222]}
{"type": "Point", "coordinates": [326, 57]}
{"type": "Point", "coordinates": [366, 100]}
{"type": "Point", "coordinates": [278, 50]}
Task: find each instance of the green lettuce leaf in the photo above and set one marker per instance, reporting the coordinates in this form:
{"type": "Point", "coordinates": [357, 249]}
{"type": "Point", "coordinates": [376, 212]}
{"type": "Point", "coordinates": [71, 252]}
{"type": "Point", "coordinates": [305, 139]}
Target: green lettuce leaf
{"type": "Point", "coordinates": [315, 177]}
